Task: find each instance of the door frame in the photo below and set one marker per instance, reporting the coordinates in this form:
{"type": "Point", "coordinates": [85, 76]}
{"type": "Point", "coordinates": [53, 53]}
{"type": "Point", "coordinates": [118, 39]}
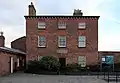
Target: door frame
{"type": "Point", "coordinates": [11, 64]}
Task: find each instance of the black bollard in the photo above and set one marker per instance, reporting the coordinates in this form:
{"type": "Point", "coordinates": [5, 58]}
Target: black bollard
{"type": "Point", "coordinates": [116, 77]}
{"type": "Point", "coordinates": [108, 77]}
{"type": "Point", "coordinates": [98, 75]}
{"type": "Point", "coordinates": [104, 75]}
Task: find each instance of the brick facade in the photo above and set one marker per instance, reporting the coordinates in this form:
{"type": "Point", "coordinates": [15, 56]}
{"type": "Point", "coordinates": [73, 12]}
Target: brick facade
{"type": "Point", "coordinates": [51, 32]}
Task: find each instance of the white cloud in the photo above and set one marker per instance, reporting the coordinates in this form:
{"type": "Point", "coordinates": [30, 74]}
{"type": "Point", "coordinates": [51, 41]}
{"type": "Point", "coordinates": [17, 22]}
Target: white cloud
{"type": "Point", "coordinates": [12, 21]}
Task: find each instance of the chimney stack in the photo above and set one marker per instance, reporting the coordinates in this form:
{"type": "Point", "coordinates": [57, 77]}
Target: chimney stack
{"type": "Point", "coordinates": [77, 12]}
{"type": "Point", "coordinates": [2, 40]}
{"type": "Point", "coordinates": [32, 10]}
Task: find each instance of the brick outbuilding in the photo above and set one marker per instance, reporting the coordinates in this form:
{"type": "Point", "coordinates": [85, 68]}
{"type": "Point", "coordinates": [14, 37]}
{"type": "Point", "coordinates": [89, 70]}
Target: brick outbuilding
{"type": "Point", "coordinates": [11, 60]}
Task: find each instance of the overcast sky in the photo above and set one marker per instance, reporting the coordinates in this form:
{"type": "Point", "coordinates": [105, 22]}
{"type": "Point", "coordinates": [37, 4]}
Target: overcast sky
{"type": "Point", "coordinates": [12, 21]}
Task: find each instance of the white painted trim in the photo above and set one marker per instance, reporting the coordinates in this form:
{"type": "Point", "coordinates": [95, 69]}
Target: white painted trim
{"type": "Point", "coordinates": [18, 62]}
{"type": "Point", "coordinates": [11, 59]}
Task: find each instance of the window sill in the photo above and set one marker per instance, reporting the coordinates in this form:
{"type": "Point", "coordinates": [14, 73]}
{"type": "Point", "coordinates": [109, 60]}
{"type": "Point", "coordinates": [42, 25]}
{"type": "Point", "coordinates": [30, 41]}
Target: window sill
{"type": "Point", "coordinates": [81, 28]}
{"type": "Point", "coordinates": [41, 46]}
{"type": "Point", "coordinates": [41, 28]}
{"type": "Point", "coordinates": [61, 28]}
{"type": "Point", "coordinates": [81, 47]}
{"type": "Point", "coordinates": [62, 47]}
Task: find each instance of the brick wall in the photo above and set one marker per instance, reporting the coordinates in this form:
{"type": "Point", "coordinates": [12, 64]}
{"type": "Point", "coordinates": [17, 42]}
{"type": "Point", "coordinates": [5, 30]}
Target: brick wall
{"type": "Point", "coordinates": [19, 44]}
{"type": "Point", "coordinates": [5, 62]}
{"type": "Point", "coordinates": [71, 32]}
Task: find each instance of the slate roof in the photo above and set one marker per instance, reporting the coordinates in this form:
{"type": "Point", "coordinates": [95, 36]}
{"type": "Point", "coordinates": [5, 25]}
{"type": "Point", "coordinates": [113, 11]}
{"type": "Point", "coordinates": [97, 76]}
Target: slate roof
{"type": "Point", "coordinates": [12, 50]}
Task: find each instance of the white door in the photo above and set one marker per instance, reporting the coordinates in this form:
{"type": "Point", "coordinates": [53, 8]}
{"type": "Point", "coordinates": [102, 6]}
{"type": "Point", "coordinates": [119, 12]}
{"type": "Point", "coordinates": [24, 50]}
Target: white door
{"type": "Point", "coordinates": [11, 70]}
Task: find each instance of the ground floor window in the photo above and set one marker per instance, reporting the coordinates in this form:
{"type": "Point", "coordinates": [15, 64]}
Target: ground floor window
{"type": "Point", "coordinates": [70, 60]}
{"type": "Point", "coordinates": [40, 57]}
{"type": "Point", "coordinates": [82, 61]}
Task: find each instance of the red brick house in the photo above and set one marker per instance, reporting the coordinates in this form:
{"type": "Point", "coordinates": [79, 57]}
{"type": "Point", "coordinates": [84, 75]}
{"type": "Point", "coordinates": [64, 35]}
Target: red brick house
{"type": "Point", "coordinates": [72, 39]}
{"type": "Point", "coordinates": [11, 59]}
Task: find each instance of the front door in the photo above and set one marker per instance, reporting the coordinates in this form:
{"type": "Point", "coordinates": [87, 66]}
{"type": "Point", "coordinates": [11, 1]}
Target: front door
{"type": "Point", "coordinates": [62, 62]}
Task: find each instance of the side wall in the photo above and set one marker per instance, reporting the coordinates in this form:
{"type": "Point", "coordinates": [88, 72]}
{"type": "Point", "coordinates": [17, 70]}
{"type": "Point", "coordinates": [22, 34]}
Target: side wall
{"type": "Point", "coordinates": [5, 62]}
{"type": "Point", "coordinates": [19, 44]}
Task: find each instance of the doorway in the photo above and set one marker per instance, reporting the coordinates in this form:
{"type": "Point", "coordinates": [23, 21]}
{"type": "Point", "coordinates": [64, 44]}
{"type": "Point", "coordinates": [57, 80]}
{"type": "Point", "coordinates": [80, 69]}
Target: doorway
{"type": "Point", "coordinates": [62, 62]}
{"type": "Point", "coordinates": [11, 64]}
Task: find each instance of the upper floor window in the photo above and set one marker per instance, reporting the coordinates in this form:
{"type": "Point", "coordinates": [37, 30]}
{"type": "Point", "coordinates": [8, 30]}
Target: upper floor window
{"type": "Point", "coordinates": [41, 25]}
{"type": "Point", "coordinates": [82, 41]}
{"type": "Point", "coordinates": [41, 41]}
{"type": "Point", "coordinates": [61, 25]}
{"type": "Point", "coordinates": [82, 25]}
{"type": "Point", "coordinates": [62, 41]}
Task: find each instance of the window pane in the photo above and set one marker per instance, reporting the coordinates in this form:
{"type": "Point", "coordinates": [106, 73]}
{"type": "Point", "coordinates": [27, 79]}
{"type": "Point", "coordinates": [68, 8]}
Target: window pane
{"type": "Point", "coordinates": [42, 38]}
{"type": "Point", "coordinates": [81, 25]}
{"type": "Point", "coordinates": [81, 58]}
{"type": "Point", "coordinates": [82, 44]}
{"type": "Point", "coordinates": [42, 41]}
{"type": "Point", "coordinates": [40, 57]}
{"type": "Point", "coordinates": [41, 24]}
{"type": "Point", "coordinates": [62, 41]}
{"type": "Point", "coordinates": [61, 25]}
{"type": "Point", "coordinates": [82, 38]}
{"type": "Point", "coordinates": [82, 61]}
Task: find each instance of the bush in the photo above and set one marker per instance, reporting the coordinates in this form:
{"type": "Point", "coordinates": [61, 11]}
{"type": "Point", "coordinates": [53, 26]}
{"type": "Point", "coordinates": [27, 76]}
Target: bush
{"type": "Point", "coordinates": [49, 63]}
{"type": "Point", "coordinates": [33, 66]}
{"type": "Point", "coordinates": [117, 67]}
{"type": "Point", "coordinates": [94, 68]}
{"type": "Point", "coordinates": [73, 67]}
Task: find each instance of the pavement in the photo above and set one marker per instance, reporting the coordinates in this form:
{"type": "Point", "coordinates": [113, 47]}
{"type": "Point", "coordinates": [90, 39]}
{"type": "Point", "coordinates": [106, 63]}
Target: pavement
{"type": "Point", "coordinates": [34, 78]}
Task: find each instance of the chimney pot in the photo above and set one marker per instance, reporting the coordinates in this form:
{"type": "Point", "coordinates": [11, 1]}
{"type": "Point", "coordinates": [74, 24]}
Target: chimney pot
{"type": "Point", "coordinates": [2, 39]}
{"type": "Point", "coordinates": [1, 33]}
{"type": "Point", "coordinates": [32, 10]}
{"type": "Point", "coordinates": [77, 12]}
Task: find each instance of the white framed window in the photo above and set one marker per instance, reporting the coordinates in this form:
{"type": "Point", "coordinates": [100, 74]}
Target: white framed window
{"type": "Point", "coordinates": [81, 41]}
{"type": "Point", "coordinates": [61, 25]}
{"type": "Point", "coordinates": [82, 25]}
{"type": "Point", "coordinates": [62, 41]}
{"type": "Point", "coordinates": [41, 25]}
{"type": "Point", "coordinates": [82, 61]}
{"type": "Point", "coordinates": [41, 41]}
{"type": "Point", "coordinates": [40, 57]}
